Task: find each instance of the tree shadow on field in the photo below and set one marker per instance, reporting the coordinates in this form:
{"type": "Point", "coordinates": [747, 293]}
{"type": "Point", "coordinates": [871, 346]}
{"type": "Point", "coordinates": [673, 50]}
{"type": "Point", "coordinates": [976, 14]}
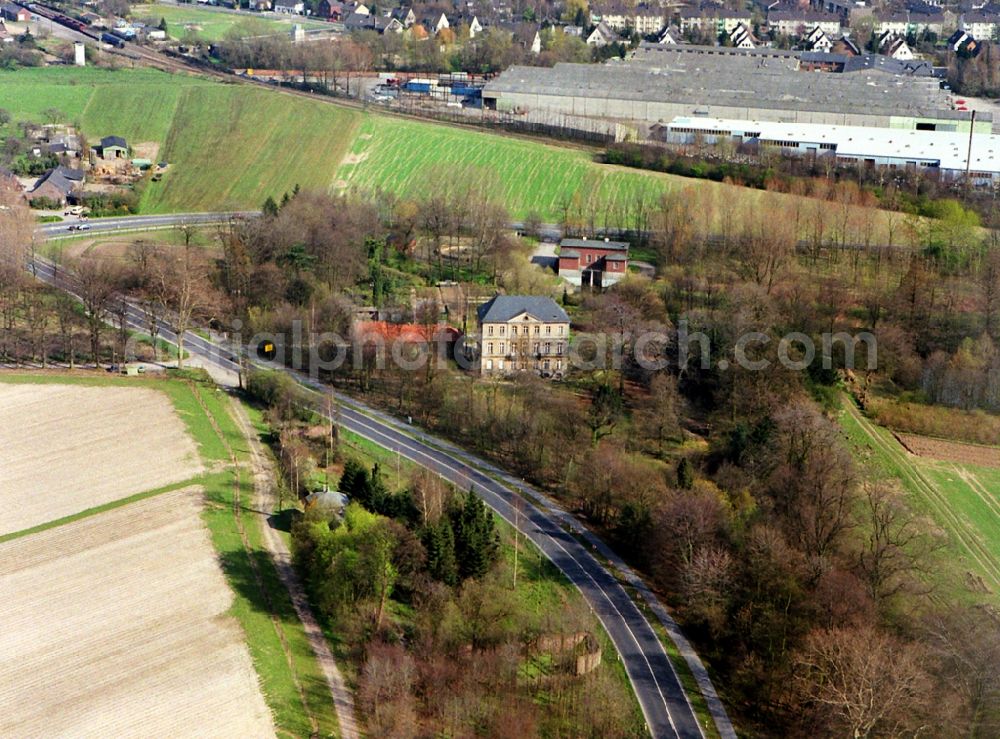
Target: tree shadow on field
{"type": "Point", "coordinates": [266, 595]}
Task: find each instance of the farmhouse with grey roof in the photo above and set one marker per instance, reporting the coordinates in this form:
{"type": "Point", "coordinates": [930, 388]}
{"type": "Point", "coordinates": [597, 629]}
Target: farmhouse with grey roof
{"type": "Point", "coordinates": [522, 333]}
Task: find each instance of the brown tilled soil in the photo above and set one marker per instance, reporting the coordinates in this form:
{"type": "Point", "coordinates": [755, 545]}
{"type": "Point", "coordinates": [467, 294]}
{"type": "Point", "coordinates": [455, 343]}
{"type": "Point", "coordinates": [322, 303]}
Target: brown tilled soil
{"type": "Point", "coordinates": [116, 626]}
{"type": "Point", "coordinates": [67, 448]}
{"type": "Point", "coordinates": [951, 451]}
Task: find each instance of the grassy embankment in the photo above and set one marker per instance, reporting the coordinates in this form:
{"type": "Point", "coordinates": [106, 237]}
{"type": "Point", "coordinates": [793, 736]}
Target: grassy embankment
{"type": "Point", "coordinates": [963, 500]}
{"type": "Point", "coordinates": [231, 146]}
{"type": "Point", "coordinates": [291, 680]}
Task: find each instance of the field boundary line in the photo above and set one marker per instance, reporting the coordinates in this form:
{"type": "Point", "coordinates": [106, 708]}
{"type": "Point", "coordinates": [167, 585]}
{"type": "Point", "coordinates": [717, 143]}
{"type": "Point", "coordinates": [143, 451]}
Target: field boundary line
{"type": "Point", "coordinates": [104, 507]}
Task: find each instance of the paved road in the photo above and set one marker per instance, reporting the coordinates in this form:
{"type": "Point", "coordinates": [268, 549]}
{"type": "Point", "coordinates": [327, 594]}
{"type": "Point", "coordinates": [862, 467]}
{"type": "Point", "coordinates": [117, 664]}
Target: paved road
{"type": "Point", "coordinates": [134, 223]}
{"type": "Point", "coordinates": [664, 703]}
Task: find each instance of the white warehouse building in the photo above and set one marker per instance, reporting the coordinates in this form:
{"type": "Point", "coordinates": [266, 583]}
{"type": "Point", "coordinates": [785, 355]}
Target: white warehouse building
{"type": "Point", "coordinates": [946, 151]}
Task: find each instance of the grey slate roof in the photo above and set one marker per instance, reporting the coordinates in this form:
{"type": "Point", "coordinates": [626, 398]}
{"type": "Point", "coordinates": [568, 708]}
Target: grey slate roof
{"type": "Point", "coordinates": [113, 141]}
{"type": "Point", "coordinates": [506, 307]}
{"type": "Point", "coordinates": [593, 244]}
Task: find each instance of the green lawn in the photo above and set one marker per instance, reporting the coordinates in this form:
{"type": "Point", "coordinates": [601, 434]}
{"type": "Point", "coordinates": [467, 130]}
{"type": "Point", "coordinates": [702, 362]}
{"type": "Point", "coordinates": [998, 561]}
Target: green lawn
{"type": "Point", "coordinates": [213, 24]}
{"type": "Point", "coordinates": [230, 147]}
{"type": "Point", "coordinates": [962, 500]}
{"type": "Point", "coordinates": [409, 157]}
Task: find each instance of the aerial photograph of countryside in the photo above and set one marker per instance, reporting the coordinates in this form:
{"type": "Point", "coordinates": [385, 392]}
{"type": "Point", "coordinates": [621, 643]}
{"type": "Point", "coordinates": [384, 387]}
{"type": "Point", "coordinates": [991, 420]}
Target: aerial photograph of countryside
{"type": "Point", "coordinates": [573, 369]}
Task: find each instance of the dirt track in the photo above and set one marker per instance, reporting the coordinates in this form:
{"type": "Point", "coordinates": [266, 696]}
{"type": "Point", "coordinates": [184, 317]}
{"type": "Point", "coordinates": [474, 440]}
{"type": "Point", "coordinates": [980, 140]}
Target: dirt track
{"type": "Point", "coordinates": [116, 626]}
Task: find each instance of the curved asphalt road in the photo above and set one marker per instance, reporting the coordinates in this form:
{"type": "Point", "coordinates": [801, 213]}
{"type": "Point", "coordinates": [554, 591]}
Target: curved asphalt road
{"type": "Point", "coordinates": [664, 703]}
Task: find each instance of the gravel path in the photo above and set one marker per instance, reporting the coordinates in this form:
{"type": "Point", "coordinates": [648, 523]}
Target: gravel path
{"type": "Point", "coordinates": [265, 501]}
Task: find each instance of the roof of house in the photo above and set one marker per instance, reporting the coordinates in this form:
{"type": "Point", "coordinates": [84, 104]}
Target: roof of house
{"type": "Point", "coordinates": [109, 141]}
{"type": "Point", "coordinates": [594, 244]}
{"type": "Point", "coordinates": [506, 307]}
{"type": "Point", "coordinates": [568, 254]}
{"type": "Point", "coordinates": [63, 179]}
{"type": "Point", "coordinates": [287, 3]}
{"type": "Point", "coordinates": [75, 175]}
{"type": "Point", "coordinates": [408, 332]}
{"type": "Point", "coordinates": [616, 258]}
{"type": "Point", "coordinates": [326, 499]}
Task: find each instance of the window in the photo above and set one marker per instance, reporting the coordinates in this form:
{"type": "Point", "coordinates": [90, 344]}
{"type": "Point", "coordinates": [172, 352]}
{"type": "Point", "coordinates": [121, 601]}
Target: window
{"type": "Point", "coordinates": [490, 330]}
{"type": "Point", "coordinates": [535, 349]}
{"type": "Point", "coordinates": [513, 349]}
{"type": "Point", "coordinates": [500, 364]}
{"type": "Point", "coordinates": [559, 348]}
{"type": "Point", "coordinates": [548, 347]}
{"type": "Point", "coordinates": [489, 364]}
{"type": "Point", "coordinates": [502, 330]}
{"type": "Point", "coordinates": [548, 330]}
{"type": "Point", "coordinates": [490, 347]}
{"type": "Point", "coordinates": [537, 329]}
{"type": "Point", "coordinates": [501, 347]}
{"type": "Point", "coordinates": [590, 258]}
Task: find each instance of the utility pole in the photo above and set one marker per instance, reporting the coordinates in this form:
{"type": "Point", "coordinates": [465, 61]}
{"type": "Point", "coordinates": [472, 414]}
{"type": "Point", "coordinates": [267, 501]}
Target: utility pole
{"type": "Point", "coordinates": [968, 155]}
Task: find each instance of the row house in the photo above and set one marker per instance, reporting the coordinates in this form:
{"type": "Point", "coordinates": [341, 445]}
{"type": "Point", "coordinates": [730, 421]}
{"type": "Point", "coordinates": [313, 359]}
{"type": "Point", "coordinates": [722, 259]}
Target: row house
{"type": "Point", "coordinates": [713, 19]}
{"type": "Point", "coordinates": [981, 26]}
{"type": "Point", "coordinates": [798, 23]}
{"type": "Point", "coordinates": [645, 20]}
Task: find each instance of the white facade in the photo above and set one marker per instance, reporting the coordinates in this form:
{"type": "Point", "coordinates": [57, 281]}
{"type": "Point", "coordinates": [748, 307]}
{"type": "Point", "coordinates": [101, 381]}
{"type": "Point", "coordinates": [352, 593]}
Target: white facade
{"type": "Point", "coordinates": [946, 151]}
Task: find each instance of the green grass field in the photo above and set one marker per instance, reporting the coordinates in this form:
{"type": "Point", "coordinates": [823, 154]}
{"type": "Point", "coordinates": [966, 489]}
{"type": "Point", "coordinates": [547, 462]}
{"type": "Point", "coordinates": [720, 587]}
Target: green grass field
{"type": "Point", "coordinates": [212, 24]}
{"type": "Point", "coordinates": [231, 146]}
{"type": "Point", "coordinates": [407, 157]}
{"type": "Point", "coordinates": [962, 500]}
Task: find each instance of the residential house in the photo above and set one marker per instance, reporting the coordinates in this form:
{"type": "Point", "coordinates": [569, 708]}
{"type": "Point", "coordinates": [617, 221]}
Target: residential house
{"type": "Point", "coordinates": [528, 36]}
{"type": "Point", "coordinates": [895, 47]}
{"type": "Point", "coordinates": [360, 8]}
{"type": "Point", "coordinates": [797, 23]}
{"type": "Point", "coordinates": [573, 31]}
{"type": "Point", "coordinates": [14, 13]}
{"type": "Point", "coordinates": [897, 23]}
{"type": "Point", "coordinates": [331, 9]}
{"type": "Point", "coordinates": [980, 26]}
{"type": "Point", "coordinates": [435, 23]}
{"type": "Point", "coordinates": [741, 38]}
{"type": "Point", "coordinates": [289, 7]}
{"type": "Point", "coordinates": [670, 36]}
{"type": "Point", "coordinates": [366, 22]}
{"type": "Point", "coordinates": [648, 20]}
{"type": "Point", "coordinates": [58, 186]}
{"type": "Point", "coordinates": [816, 40]}
{"type": "Point", "coordinates": [592, 263]}
{"type": "Point", "coordinates": [713, 19]}
{"type": "Point", "coordinates": [601, 36]}
{"type": "Point", "coordinates": [520, 333]}
{"type": "Point", "coordinates": [615, 17]}
{"type": "Point", "coordinates": [113, 147]}
{"type": "Point", "coordinates": [846, 46]}
{"type": "Point", "coordinates": [962, 43]}
{"type": "Point", "coordinates": [406, 16]}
